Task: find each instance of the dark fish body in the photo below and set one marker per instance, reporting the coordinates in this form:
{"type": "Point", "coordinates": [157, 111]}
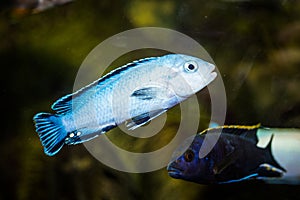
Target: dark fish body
{"type": "Point", "coordinates": [241, 153]}
{"type": "Point", "coordinates": [132, 94]}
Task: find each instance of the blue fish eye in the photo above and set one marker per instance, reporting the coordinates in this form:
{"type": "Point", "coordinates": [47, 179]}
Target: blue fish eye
{"type": "Point", "coordinates": [190, 66]}
{"type": "Point", "coordinates": [189, 156]}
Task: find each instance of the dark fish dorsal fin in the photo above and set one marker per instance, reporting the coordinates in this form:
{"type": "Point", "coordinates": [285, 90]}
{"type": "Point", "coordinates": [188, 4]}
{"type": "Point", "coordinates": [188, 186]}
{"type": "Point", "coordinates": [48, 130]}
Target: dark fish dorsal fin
{"type": "Point", "coordinates": [248, 132]}
{"type": "Point", "coordinates": [64, 104]}
{"type": "Point", "coordinates": [271, 158]}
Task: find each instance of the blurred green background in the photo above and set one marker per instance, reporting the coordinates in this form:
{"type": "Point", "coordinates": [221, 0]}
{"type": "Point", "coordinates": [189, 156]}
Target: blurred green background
{"type": "Point", "coordinates": [255, 45]}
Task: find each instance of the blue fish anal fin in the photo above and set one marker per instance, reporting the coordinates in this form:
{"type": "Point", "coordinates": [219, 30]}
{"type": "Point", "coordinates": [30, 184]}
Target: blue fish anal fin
{"type": "Point", "coordinates": [63, 105]}
{"type": "Point", "coordinates": [76, 138]}
{"type": "Point", "coordinates": [86, 134]}
{"type": "Point", "coordinates": [51, 132]}
{"type": "Point", "coordinates": [142, 119]}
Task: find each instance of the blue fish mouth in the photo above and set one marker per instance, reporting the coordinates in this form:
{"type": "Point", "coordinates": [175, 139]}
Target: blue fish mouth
{"type": "Point", "coordinates": [174, 172]}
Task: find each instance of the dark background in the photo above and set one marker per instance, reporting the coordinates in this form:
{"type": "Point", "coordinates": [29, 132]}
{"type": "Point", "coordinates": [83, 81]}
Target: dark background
{"type": "Point", "coordinates": [255, 45]}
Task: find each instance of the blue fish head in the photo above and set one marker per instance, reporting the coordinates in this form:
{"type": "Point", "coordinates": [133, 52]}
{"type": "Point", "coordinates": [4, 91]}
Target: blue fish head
{"type": "Point", "coordinates": [188, 75]}
{"type": "Point", "coordinates": [189, 166]}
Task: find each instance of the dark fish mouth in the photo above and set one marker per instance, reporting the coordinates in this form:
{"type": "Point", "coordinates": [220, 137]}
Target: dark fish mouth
{"type": "Point", "coordinates": [174, 172]}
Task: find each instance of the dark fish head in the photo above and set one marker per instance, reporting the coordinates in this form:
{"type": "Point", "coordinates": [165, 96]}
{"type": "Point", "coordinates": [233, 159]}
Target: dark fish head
{"type": "Point", "coordinates": [189, 166]}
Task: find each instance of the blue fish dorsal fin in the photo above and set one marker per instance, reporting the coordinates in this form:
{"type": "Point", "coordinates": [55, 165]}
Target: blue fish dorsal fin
{"type": "Point", "coordinates": [63, 105]}
{"type": "Point", "coordinates": [114, 74]}
{"type": "Point", "coordinates": [66, 103]}
{"type": "Point", "coordinates": [240, 130]}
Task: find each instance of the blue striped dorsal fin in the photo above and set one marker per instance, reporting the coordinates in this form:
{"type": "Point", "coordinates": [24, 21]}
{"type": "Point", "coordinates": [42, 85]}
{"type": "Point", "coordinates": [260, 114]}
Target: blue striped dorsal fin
{"type": "Point", "coordinates": [115, 73]}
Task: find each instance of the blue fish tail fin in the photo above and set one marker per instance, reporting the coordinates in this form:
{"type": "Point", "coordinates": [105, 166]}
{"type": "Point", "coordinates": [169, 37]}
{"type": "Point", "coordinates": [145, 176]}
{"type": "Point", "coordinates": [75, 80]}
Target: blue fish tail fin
{"type": "Point", "coordinates": [51, 132]}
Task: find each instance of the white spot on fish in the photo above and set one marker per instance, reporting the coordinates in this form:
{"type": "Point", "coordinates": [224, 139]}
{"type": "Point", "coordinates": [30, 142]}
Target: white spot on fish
{"type": "Point", "coordinates": [78, 133]}
{"type": "Point", "coordinates": [71, 135]}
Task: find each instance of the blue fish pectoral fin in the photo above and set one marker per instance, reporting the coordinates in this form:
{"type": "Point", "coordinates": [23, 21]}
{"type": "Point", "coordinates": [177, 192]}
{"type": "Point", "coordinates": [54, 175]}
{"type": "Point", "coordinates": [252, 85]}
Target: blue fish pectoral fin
{"type": "Point", "coordinates": [151, 92]}
{"type": "Point", "coordinates": [267, 170]}
{"type": "Point", "coordinates": [142, 119]}
{"type": "Point", "coordinates": [51, 132]}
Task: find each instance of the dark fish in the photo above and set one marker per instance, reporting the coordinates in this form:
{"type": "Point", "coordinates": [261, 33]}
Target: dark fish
{"type": "Point", "coordinates": [241, 153]}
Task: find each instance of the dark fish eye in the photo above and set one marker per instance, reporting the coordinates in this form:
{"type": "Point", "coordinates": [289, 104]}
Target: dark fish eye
{"type": "Point", "coordinates": [190, 66]}
{"type": "Point", "coordinates": [189, 156]}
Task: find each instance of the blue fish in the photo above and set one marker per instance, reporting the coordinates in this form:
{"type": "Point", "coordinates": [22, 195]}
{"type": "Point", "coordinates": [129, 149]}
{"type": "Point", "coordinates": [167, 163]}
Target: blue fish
{"type": "Point", "coordinates": [241, 153]}
{"type": "Point", "coordinates": [132, 94]}
{"type": "Point", "coordinates": [23, 7]}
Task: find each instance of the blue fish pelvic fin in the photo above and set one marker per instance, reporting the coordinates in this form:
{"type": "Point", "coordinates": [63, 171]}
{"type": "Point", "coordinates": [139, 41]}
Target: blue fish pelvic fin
{"type": "Point", "coordinates": [142, 119]}
{"type": "Point", "coordinates": [51, 132]}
